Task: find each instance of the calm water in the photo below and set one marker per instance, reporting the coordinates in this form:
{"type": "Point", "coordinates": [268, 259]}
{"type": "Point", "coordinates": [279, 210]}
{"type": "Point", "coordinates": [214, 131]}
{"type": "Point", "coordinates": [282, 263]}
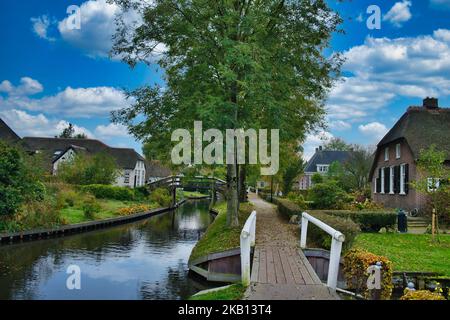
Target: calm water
{"type": "Point", "coordinates": [142, 260]}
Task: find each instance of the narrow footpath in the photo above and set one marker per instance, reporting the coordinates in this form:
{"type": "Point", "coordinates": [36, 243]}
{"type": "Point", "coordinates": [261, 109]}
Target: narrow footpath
{"type": "Point", "coordinates": [280, 270]}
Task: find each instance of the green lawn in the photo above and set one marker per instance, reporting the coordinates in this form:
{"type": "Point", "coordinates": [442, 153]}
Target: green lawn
{"type": "Point", "coordinates": [409, 252]}
{"type": "Point", "coordinates": [109, 210]}
{"type": "Point", "coordinates": [218, 237]}
{"type": "Point", "coordinates": [233, 292]}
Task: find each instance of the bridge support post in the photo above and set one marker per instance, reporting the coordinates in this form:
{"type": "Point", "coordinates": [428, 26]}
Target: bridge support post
{"type": "Point", "coordinates": [333, 267]}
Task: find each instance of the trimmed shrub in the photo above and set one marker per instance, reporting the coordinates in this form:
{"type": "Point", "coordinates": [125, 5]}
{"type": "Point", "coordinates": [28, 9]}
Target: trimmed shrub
{"type": "Point", "coordinates": [102, 191]}
{"type": "Point", "coordinates": [356, 262]}
{"type": "Point", "coordinates": [90, 207]}
{"type": "Point", "coordinates": [346, 226]}
{"type": "Point", "coordinates": [328, 196]}
{"type": "Point", "coordinates": [421, 295]}
{"type": "Point", "coordinates": [297, 198]}
{"type": "Point", "coordinates": [288, 208]}
{"type": "Point", "coordinates": [369, 221]}
{"type": "Point", "coordinates": [161, 196]}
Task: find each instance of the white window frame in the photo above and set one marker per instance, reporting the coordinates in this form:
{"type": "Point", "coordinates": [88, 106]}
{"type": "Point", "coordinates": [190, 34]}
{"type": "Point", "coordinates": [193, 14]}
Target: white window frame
{"type": "Point", "coordinates": [386, 154]}
{"type": "Point", "coordinates": [402, 179]}
{"type": "Point", "coordinates": [391, 180]}
{"type": "Point", "coordinates": [374, 185]}
{"type": "Point", "coordinates": [382, 181]}
{"type": "Point", "coordinates": [322, 168]}
{"type": "Point", "coordinates": [398, 152]}
{"type": "Point", "coordinates": [126, 177]}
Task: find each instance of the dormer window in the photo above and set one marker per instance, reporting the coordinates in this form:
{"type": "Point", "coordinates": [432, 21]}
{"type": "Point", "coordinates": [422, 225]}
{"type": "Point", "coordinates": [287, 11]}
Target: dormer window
{"type": "Point", "coordinates": [397, 151]}
{"type": "Point", "coordinates": [386, 154]}
{"type": "Point", "coordinates": [322, 168]}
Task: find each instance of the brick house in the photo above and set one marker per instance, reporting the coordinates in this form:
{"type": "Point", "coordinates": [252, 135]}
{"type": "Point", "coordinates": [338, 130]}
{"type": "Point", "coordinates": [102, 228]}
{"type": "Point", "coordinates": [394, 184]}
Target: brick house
{"type": "Point", "coordinates": [395, 159]}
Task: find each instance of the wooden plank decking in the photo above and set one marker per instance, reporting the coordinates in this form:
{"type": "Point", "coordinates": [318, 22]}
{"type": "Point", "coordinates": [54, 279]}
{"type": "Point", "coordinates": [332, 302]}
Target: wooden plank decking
{"type": "Point", "coordinates": [284, 273]}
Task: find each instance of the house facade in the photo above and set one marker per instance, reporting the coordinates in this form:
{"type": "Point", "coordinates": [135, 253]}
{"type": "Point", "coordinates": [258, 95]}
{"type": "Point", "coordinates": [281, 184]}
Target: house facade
{"type": "Point", "coordinates": [395, 161]}
{"type": "Point", "coordinates": [132, 169]}
{"type": "Point", "coordinates": [320, 163]}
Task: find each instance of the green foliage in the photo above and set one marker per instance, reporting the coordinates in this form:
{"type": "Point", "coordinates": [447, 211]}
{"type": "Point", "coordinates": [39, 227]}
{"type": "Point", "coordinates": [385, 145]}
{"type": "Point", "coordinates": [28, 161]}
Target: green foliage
{"type": "Point", "coordinates": [337, 144]}
{"type": "Point", "coordinates": [328, 196]}
{"type": "Point", "coordinates": [69, 132]}
{"type": "Point", "coordinates": [356, 262]}
{"type": "Point", "coordinates": [317, 178]}
{"type": "Point", "coordinates": [431, 165]}
{"type": "Point", "coordinates": [38, 214]}
{"type": "Point", "coordinates": [298, 199]}
{"type": "Point", "coordinates": [161, 196]}
{"type": "Point", "coordinates": [102, 191]}
{"type": "Point", "coordinates": [100, 168]}
{"type": "Point", "coordinates": [367, 220]}
{"type": "Point", "coordinates": [19, 180]}
{"type": "Point", "coordinates": [90, 207]}
{"type": "Point", "coordinates": [344, 225]}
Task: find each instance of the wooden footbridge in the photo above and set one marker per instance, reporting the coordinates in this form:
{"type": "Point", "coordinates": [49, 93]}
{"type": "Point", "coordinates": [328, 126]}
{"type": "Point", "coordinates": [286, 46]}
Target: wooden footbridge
{"type": "Point", "coordinates": [281, 271]}
{"type": "Point", "coordinates": [199, 183]}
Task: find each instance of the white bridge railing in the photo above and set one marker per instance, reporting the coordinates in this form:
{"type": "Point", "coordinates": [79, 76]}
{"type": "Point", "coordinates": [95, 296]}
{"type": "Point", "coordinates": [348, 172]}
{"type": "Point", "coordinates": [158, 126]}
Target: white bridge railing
{"type": "Point", "coordinates": [247, 241]}
{"type": "Point", "coordinates": [336, 246]}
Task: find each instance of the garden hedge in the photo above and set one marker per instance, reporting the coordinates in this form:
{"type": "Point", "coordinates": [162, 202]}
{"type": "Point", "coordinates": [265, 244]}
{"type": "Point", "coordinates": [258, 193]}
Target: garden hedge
{"type": "Point", "coordinates": [369, 221]}
{"type": "Point", "coordinates": [101, 191]}
{"type": "Point", "coordinates": [319, 237]}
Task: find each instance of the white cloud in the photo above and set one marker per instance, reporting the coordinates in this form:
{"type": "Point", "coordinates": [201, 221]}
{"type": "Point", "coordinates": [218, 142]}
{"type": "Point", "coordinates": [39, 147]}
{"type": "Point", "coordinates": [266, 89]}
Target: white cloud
{"type": "Point", "coordinates": [374, 130]}
{"type": "Point", "coordinates": [28, 86]}
{"type": "Point", "coordinates": [383, 69]}
{"type": "Point", "coordinates": [39, 125]}
{"type": "Point", "coordinates": [75, 102]}
{"type": "Point", "coordinates": [313, 141]}
{"type": "Point", "coordinates": [399, 13]}
{"type": "Point", "coordinates": [41, 25]}
{"type": "Point", "coordinates": [112, 130]}
{"type": "Point", "coordinates": [340, 125]}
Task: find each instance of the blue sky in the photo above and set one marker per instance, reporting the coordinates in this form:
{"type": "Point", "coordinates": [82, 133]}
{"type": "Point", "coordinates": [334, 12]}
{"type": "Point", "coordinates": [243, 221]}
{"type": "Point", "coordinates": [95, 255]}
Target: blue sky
{"type": "Point", "coordinates": [50, 75]}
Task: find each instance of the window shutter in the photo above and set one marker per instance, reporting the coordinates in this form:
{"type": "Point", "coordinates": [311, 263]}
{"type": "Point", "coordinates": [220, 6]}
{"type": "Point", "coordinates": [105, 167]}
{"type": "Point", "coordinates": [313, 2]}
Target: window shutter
{"type": "Point", "coordinates": [378, 185]}
{"type": "Point", "coordinates": [406, 178]}
{"type": "Point", "coordinates": [387, 185]}
{"type": "Point", "coordinates": [397, 179]}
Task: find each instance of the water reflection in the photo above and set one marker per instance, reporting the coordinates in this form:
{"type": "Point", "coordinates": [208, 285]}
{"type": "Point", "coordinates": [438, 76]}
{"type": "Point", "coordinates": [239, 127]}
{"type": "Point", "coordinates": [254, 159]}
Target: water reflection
{"type": "Point", "coordinates": [143, 260]}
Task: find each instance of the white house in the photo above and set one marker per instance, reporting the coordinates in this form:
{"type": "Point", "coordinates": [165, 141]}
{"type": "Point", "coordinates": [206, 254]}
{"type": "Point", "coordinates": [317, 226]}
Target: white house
{"type": "Point", "coordinates": [131, 164]}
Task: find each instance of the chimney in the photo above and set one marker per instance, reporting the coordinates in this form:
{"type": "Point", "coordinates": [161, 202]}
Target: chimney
{"type": "Point", "coordinates": [317, 149]}
{"type": "Point", "coordinates": [320, 148]}
{"type": "Point", "coordinates": [431, 103]}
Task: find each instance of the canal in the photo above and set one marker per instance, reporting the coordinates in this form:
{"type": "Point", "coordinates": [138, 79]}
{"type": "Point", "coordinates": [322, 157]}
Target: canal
{"type": "Point", "coordinates": [141, 260]}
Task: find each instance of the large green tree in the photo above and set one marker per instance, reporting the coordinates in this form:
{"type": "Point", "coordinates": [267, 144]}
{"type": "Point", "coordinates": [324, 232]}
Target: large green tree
{"type": "Point", "coordinates": [230, 64]}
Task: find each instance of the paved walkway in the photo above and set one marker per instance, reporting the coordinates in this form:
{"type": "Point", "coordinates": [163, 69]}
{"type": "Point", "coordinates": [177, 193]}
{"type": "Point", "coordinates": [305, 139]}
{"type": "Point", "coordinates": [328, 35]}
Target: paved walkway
{"type": "Point", "coordinates": [280, 270]}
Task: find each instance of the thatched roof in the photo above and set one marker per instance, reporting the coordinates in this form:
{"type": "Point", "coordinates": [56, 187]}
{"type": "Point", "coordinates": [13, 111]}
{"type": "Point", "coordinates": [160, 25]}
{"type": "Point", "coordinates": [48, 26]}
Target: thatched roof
{"type": "Point", "coordinates": [7, 134]}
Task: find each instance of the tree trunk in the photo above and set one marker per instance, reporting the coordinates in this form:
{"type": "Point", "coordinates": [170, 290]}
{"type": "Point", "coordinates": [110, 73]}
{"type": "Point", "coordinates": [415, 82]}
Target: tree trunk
{"type": "Point", "coordinates": [232, 196]}
{"type": "Point", "coordinates": [242, 186]}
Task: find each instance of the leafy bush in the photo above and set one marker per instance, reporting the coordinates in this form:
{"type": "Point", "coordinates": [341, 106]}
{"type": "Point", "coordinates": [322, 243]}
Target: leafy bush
{"type": "Point", "coordinates": [85, 170]}
{"type": "Point", "coordinates": [142, 193]}
{"type": "Point", "coordinates": [328, 196]}
{"type": "Point", "coordinates": [356, 262]}
{"type": "Point", "coordinates": [161, 196]}
{"type": "Point", "coordinates": [421, 295]}
{"type": "Point", "coordinates": [317, 178]}
{"type": "Point", "coordinates": [18, 180]}
{"type": "Point", "coordinates": [90, 207]}
{"type": "Point", "coordinates": [38, 214]}
{"type": "Point", "coordinates": [102, 191]}
{"type": "Point", "coordinates": [346, 226]}
{"type": "Point", "coordinates": [298, 199]}
{"type": "Point", "coordinates": [369, 221]}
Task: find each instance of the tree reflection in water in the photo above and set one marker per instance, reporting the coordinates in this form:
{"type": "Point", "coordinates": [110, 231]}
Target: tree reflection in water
{"type": "Point", "coordinates": [142, 260]}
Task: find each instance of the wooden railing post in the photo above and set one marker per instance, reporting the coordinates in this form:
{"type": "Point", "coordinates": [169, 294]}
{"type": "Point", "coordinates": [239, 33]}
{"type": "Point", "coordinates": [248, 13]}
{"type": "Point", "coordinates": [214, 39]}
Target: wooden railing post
{"type": "Point", "coordinates": [304, 230]}
{"type": "Point", "coordinates": [246, 241]}
{"type": "Point", "coordinates": [336, 246]}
